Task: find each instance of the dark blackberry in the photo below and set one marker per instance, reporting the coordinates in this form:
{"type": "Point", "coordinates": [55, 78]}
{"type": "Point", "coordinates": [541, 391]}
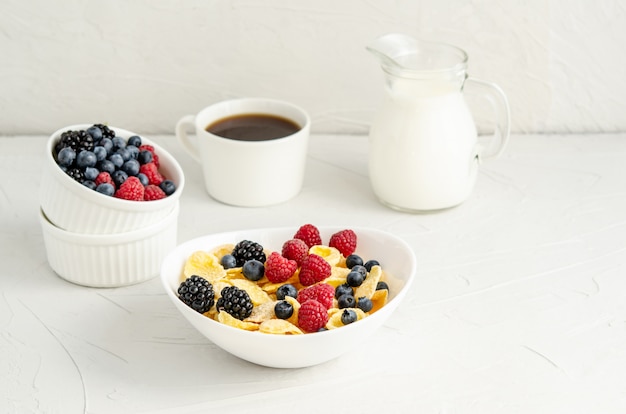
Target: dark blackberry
{"type": "Point", "coordinates": [236, 302]}
{"type": "Point", "coordinates": [77, 174]}
{"type": "Point", "coordinates": [106, 131]}
{"type": "Point", "coordinates": [197, 293]}
{"type": "Point", "coordinates": [248, 250]}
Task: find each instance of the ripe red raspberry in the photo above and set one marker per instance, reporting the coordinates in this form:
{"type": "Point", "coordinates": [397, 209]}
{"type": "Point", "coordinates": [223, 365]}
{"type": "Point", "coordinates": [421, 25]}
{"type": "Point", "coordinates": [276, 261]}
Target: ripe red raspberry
{"type": "Point", "coordinates": [344, 241]}
{"type": "Point", "coordinates": [278, 269]}
{"type": "Point", "coordinates": [131, 189]}
{"type": "Point", "coordinates": [153, 192]}
{"type": "Point", "coordinates": [312, 316]}
{"type": "Point", "coordinates": [309, 234]}
{"type": "Point", "coordinates": [322, 292]}
{"type": "Point", "coordinates": [314, 269]}
{"type": "Point", "coordinates": [104, 177]}
{"type": "Point", "coordinates": [295, 249]}
{"type": "Point", "coordinates": [155, 157]}
{"type": "Point", "coordinates": [152, 172]}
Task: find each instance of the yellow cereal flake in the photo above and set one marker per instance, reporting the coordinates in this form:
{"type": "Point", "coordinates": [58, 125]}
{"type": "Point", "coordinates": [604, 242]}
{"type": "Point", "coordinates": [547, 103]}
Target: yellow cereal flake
{"type": "Point", "coordinates": [263, 312]}
{"type": "Point", "coordinates": [368, 287]}
{"type": "Point", "coordinates": [379, 299]}
{"type": "Point", "coordinates": [337, 276]}
{"type": "Point", "coordinates": [223, 250]}
{"type": "Point", "coordinates": [334, 321]}
{"type": "Point", "coordinates": [280, 327]}
{"type": "Point", "coordinates": [227, 319]}
{"type": "Point", "coordinates": [257, 295]}
{"type": "Point", "coordinates": [205, 265]}
{"type": "Point", "coordinates": [330, 254]}
{"type": "Point", "coordinates": [296, 308]}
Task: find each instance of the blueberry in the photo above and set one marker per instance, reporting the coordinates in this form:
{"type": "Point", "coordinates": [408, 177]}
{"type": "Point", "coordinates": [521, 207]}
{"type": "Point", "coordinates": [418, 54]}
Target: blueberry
{"type": "Point", "coordinates": [89, 184]}
{"type": "Point", "coordinates": [86, 159]}
{"type": "Point", "coordinates": [117, 160]}
{"type": "Point", "coordinates": [91, 173]}
{"type": "Point", "coordinates": [368, 265]}
{"type": "Point", "coordinates": [382, 285]}
{"type": "Point", "coordinates": [364, 303]}
{"type": "Point", "coordinates": [124, 152]}
{"type": "Point", "coordinates": [144, 157]}
{"type": "Point", "coordinates": [283, 309]}
{"type": "Point", "coordinates": [133, 151]}
{"type": "Point", "coordinates": [353, 260]}
{"type": "Point", "coordinates": [101, 152]}
{"type": "Point", "coordinates": [361, 269]}
{"type": "Point", "coordinates": [355, 279]}
{"type": "Point", "coordinates": [106, 165]}
{"type": "Point", "coordinates": [118, 142]}
{"type": "Point", "coordinates": [95, 132]}
{"type": "Point", "coordinates": [119, 177]}
{"type": "Point", "coordinates": [106, 189]}
{"type": "Point", "coordinates": [343, 290]}
{"type": "Point", "coordinates": [348, 316]}
{"type": "Point", "coordinates": [107, 144]}
{"type": "Point", "coordinates": [168, 187]}
{"type": "Point", "coordinates": [228, 261]}
{"type": "Point", "coordinates": [253, 270]}
{"type": "Point", "coordinates": [346, 301]}
{"type": "Point", "coordinates": [286, 290]}
{"type": "Point", "coordinates": [131, 167]}
{"type": "Point", "coordinates": [135, 141]}
{"type": "Point", "coordinates": [66, 156]}
{"type": "Point", "coordinates": [143, 179]}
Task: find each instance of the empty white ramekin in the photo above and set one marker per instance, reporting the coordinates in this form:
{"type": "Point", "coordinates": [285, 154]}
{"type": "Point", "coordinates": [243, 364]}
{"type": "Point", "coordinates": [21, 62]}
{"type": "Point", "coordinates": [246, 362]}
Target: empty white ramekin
{"type": "Point", "coordinates": [71, 206]}
{"type": "Point", "coordinates": [110, 260]}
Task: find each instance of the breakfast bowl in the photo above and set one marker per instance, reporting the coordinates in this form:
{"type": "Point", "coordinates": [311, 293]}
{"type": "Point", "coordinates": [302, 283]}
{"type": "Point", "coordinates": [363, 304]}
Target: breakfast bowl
{"type": "Point", "coordinates": [109, 260]}
{"type": "Point", "coordinates": [294, 351]}
{"type": "Point", "coordinates": [76, 208]}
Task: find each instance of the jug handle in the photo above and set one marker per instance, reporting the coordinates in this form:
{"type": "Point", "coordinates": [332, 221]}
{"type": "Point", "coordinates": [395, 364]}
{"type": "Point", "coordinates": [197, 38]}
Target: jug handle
{"type": "Point", "coordinates": [500, 105]}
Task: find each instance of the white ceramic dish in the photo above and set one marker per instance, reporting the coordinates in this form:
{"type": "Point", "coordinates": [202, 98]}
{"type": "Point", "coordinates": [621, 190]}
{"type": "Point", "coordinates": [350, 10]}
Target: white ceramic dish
{"type": "Point", "coordinates": [73, 207]}
{"type": "Point", "coordinates": [110, 260]}
{"type": "Point", "coordinates": [295, 351]}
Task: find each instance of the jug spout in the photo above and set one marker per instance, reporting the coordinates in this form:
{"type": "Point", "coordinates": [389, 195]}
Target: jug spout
{"type": "Point", "coordinates": [403, 55]}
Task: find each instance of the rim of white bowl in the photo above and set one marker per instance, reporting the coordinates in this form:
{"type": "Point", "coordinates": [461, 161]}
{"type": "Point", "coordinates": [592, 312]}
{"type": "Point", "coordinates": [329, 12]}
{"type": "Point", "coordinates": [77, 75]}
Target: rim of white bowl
{"type": "Point", "coordinates": [110, 238]}
{"type": "Point", "coordinates": [95, 197]}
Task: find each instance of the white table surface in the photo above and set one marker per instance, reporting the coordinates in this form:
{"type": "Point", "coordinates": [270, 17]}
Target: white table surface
{"type": "Point", "coordinates": [519, 305]}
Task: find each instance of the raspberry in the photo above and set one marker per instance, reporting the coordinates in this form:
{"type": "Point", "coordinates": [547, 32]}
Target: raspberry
{"type": "Point", "coordinates": [151, 171]}
{"type": "Point", "coordinates": [153, 192]}
{"type": "Point", "coordinates": [278, 269]}
{"type": "Point", "coordinates": [344, 241]}
{"type": "Point", "coordinates": [314, 269]}
{"type": "Point", "coordinates": [312, 316]}
{"type": "Point", "coordinates": [322, 292]}
{"type": "Point", "coordinates": [309, 234]}
{"type": "Point", "coordinates": [155, 157]}
{"type": "Point", "coordinates": [131, 189]}
{"type": "Point", "coordinates": [295, 249]}
{"type": "Point", "coordinates": [104, 177]}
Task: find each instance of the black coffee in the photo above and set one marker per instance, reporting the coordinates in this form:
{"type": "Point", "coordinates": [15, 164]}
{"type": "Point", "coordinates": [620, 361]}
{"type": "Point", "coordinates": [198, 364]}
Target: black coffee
{"type": "Point", "coordinates": [253, 127]}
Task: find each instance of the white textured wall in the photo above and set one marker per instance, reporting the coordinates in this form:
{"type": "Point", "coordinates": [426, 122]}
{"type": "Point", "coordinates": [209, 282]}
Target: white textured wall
{"type": "Point", "coordinates": [142, 64]}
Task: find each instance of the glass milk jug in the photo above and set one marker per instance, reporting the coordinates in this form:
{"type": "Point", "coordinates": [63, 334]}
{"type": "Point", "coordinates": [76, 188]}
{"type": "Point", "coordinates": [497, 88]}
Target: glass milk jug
{"type": "Point", "coordinates": [424, 150]}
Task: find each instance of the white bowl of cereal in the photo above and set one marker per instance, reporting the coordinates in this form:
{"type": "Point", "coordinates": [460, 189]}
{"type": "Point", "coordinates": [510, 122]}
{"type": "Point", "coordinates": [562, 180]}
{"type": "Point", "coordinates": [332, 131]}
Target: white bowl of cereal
{"type": "Point", "coordinates": [265, 337]}
{"type": "Point", "coordinates": [70, 205]}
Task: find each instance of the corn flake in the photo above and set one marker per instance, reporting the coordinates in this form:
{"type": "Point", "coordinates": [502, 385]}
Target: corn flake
{"type": "Point", "coordinates": [279, 326]}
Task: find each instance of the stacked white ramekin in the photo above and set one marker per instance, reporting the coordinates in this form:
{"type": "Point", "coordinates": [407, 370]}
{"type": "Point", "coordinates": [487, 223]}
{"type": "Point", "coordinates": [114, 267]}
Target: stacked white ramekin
{"type": "Point", "coordinates": [95, 240]}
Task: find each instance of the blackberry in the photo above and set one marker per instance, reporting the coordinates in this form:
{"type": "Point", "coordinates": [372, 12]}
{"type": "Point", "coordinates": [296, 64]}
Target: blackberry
{"type": "Point", "coordinates": [74, 140]}
{"type": "Point", "coordinates": [77, 174]}
{"type": "Point", "coordinates": [197, 293]}
{"type": "Point", "coordinates": [236, 302]}
{"type": "Point", "coordinates": [106, 131]}
{"type": "Point", "coordinates": [248, 250]}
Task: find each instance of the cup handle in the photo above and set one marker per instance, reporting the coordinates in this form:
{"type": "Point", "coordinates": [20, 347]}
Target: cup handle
{"type": "Point", "coordinates": [186, 123]}
{"type": "Point", "coordinates": [500, 105]}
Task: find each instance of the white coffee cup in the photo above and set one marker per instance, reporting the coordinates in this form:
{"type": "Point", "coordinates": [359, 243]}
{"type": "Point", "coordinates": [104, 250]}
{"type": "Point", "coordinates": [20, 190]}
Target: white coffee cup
{"type": "Point", "coordinates": [248, 173]}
